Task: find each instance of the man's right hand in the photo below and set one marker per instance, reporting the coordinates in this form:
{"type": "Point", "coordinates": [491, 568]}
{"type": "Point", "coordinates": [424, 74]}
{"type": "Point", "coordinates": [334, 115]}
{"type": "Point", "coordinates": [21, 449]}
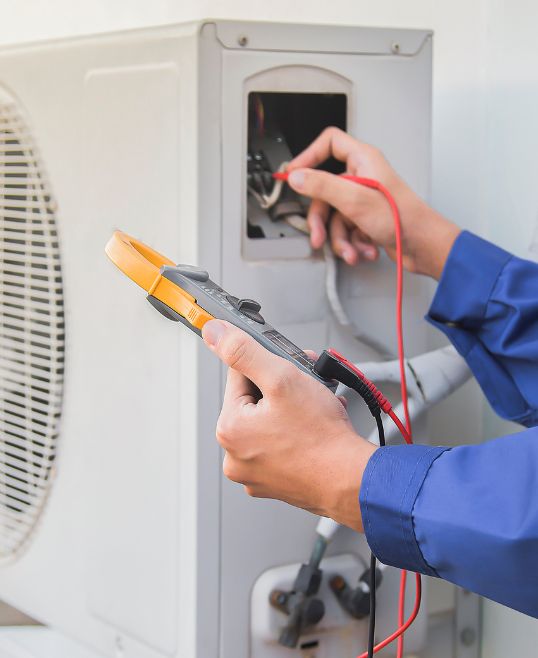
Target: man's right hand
{"type": "Point", "coordinates": [361, 219]}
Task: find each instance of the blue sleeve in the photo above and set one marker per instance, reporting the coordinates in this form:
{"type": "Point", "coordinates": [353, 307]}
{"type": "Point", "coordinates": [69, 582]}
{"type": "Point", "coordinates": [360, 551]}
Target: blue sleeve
{"type": "Point", "coordinates": [470, 514]}
{"type": "Point", "coordinates": [487, 305]}
{"type": "Point", "coordinates": [467, 514]}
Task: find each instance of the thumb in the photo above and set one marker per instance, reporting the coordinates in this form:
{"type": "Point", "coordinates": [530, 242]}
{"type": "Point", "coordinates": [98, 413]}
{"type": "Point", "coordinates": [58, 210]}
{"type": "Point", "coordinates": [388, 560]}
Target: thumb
{"type": "Point", "coordinates": [338, 192]}
{"type": "Point", "coordinates": [243, 354]}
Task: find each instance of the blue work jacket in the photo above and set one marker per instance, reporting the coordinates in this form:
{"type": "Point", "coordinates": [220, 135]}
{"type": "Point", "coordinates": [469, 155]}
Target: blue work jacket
{"type": "Point", "coordinates": [470, 514]}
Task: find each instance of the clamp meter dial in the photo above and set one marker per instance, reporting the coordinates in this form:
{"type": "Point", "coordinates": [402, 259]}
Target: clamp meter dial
{"type": "Point", "coordinates": [186, 294]}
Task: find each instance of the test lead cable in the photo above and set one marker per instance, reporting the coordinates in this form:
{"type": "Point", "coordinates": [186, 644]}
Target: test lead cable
{"type": "Point", "coordinates": [406, 429]}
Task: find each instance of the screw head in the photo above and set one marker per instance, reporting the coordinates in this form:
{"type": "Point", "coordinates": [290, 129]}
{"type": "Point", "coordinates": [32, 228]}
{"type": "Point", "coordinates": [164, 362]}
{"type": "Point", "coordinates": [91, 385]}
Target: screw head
{"type": "Point", "coordinates": [242, 40]}
{"type": "Point", "coordinates": [337, 583]}
{"type": "Point", "coordinates": [468, 636]}
{"type": "Point", "coordinates": [395, 48]}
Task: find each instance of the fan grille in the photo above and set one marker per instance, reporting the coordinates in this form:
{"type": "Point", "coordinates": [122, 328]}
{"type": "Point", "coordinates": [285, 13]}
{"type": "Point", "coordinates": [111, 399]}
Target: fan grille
{"type": "Point", "coordinates": [31, 331]}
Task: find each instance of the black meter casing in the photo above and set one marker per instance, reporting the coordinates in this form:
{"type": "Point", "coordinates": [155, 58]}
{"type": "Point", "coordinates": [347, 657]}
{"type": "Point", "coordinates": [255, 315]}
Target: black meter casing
{"type": "Point", "coordinates": [243, 313]}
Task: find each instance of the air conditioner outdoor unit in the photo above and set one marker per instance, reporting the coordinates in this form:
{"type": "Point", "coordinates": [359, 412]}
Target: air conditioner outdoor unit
{"type": "Point", "coordinates": [116, 525]}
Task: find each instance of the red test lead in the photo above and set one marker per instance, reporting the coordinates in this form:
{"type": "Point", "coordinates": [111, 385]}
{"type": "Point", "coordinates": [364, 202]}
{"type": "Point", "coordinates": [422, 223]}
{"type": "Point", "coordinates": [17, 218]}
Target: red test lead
{"type": "Point", "coordinates": [380, 399]}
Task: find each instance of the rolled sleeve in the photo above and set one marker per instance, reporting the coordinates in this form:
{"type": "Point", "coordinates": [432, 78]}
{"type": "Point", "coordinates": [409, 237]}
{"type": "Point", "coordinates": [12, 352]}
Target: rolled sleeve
{"type": "Point", "coordinates": [468, 279]}
{"type": "Point", "coordinates": [466, 514]}
{"type": "Point", "coordinates": [487, 305]}
{"type": "Point", "coordinates": [391, 483]}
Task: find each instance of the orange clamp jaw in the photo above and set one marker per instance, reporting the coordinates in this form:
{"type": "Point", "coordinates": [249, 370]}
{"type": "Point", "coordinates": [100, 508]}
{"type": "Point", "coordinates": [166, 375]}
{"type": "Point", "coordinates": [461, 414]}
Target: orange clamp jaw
{"type": "Point", "coordinates": [143, 265]}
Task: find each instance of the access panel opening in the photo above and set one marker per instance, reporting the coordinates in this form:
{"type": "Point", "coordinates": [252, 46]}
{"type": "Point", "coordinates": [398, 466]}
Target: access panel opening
{"type": "Point", "coordinates": [280, 126]}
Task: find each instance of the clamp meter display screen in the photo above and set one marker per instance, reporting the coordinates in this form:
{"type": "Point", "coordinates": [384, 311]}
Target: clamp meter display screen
{"type": "Point", "coordinates": [297, 354]}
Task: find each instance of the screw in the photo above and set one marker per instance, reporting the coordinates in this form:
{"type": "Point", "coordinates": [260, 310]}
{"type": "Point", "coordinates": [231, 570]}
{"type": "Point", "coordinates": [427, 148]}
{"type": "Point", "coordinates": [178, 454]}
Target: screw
{"type": "Point", "coordinates": [468, 636]}
{"type": "Point", "coordinates": [395, 47]}
{"type": "Point", "coordinates": [242, 40]}
{"type": "Point", "coordinates": [337, 583]}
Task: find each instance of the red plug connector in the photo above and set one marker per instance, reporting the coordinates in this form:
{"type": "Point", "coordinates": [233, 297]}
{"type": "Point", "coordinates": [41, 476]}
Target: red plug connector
{"type": "Point", "coordinates": [384, 404]}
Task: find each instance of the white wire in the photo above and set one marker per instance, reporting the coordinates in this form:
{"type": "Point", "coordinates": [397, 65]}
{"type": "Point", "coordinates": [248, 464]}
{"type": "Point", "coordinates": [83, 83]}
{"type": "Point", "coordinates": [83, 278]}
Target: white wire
{"type": "Point", "coordinates": [267, 201]}
{"type": "Point", "coordinates": [259, 197]}
{"type": "Point", "coordinates": [331, 289]}
{"type": "Point", "coordinates": [298, 222]}
{"type": "Point", "coordinates": [331, 286]}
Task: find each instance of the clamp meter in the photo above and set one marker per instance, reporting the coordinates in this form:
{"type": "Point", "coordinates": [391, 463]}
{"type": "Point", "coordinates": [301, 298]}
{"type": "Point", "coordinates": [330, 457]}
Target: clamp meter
{"type": "Point", "coordinates": [186, 294]}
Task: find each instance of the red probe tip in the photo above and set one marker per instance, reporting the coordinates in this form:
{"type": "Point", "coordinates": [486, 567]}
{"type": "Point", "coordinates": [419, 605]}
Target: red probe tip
{"type": "Point", "coordinates": [281, 175]}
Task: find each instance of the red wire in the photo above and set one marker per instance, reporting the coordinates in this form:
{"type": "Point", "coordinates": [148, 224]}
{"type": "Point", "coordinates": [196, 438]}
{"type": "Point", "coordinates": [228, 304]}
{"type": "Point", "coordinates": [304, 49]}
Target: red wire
{"type": "Point", "coordinates": [401, 612]}
{"type": "Point", "coordinates": [406, 430]}
{"type": "Point", "coordinates": [405, 626]}
{"type": "Point", "coordinates": [401, 427]}
{"type": "Point", "coordinates": [376, 185]}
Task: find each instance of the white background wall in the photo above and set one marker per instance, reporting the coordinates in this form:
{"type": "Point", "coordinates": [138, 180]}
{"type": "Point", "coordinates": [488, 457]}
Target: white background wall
{"type": "Point", "coordinates": [486, 96]}
{"type": "Point", "coordinates": [485, 118]}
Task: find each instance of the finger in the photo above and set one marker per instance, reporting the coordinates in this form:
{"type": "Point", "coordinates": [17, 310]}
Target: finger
{"type": "Point", "coordinates": [317, 218]}
{"type": "Point", "coordinates": [239, 390]}
{"type": "Point", "coordinates": [231, 469]}
{"type": "Point", "coordinates": [313, 355]}
{"type": "Point", "coordinates": [332, 142]}
{"type": "Point", "coordinates": [364, 246]}
{"type": "Point", "coordinates": [344, 195]}
{"type": "Point", "coordinates": [340, 240]}
{"type": "Point", "coordinates": [343, 400]}
{"type": "Point", "coordinates": [241, 352]}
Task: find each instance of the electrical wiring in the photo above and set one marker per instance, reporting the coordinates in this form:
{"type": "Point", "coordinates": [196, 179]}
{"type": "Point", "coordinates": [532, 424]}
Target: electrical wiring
{"type": "Point", "coordinates": [406, 429]}
{"type": "Point", "coordinates": [401, 427]}
{"type": "Point", "coordinates": [267, 201]}
{"type": "Point", "coordinates": [376, 185]}
{"type": "Point", "coordinates": [394, 636]}
{"type": "Point", "coordinates": [260, 198]}
{"type": "Point", "coordinates": [373, 562]}
{"type": "Point", "coordinates": [299, 223]}
{"type": "Point", "coordinates": [401, 612]}
{"type": "Point", "coordinates": [331, 287]}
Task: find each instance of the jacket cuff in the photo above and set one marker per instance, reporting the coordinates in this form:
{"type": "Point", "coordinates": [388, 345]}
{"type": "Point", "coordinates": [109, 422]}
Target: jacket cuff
{"type": "Point", "coordinates": [467, 282]}
{"type": "Point", "coordinates": [391, 483]}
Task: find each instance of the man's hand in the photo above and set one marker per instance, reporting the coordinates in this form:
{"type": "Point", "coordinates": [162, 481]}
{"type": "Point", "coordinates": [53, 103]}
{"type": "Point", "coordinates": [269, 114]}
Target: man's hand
{"type": "Point", "coordinates": [286, 436]}
{"type": "Point", "coordinates": [361, 220]}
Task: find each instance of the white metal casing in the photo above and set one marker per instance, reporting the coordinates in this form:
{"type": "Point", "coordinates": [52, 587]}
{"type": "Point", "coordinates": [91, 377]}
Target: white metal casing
{"type": "Point", "coordinates": [144, 550]}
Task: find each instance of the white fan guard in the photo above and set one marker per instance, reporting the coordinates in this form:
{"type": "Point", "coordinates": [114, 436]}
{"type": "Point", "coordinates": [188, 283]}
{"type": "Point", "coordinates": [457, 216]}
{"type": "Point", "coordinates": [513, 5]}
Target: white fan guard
{"type": "Point", "coordinates": [31, 331]}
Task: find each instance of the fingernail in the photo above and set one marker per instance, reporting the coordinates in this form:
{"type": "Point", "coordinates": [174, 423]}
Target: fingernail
{"type": "Point", "coordinates": [212, 332]}
{"type": "Point", "coordinates": [367, 252]}
{"type": "Point", "coordinates": [348, 254]}
{"type": "Point", "coordinates": [296, 179]}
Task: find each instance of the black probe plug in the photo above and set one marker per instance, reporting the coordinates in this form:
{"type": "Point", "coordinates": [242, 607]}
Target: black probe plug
{"type": "Point", "coordinates": [332, 365]}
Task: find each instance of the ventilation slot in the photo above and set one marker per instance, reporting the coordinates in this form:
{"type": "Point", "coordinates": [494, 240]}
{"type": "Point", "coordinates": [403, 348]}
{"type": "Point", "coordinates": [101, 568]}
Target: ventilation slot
{"type": "Point", "coordinates": [31, 331]}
